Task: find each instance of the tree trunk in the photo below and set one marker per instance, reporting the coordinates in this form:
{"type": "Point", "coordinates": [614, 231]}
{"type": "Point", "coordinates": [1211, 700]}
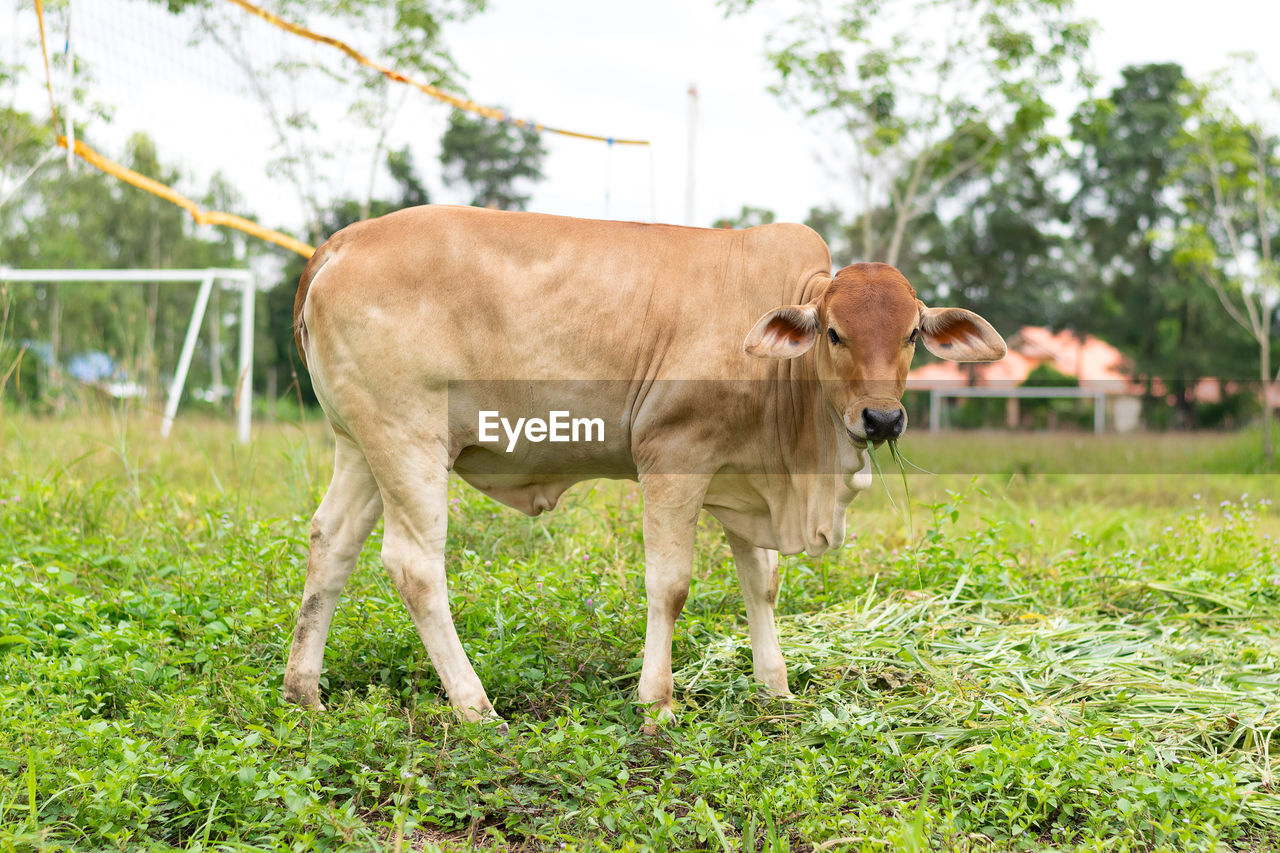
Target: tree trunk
{"type": "Point", "coordinates": [150, 365]}
{"type": "Point", "coordinates": [55, 345]}
{"type": "Point", "coordinates": [1264, 360]}
{"type": "Point", "coordinates": [1186, 392]}
{"type": "Point", "coordinates": [215, 345]}
{"type": "Point", "coordinates": [867, 248]}
{"type": "Point", "coordinates": [152, 372]}
{"type": "Point", "coordinates": [272, 391]}
{"type": "Point", "coordinates": [900, 220]}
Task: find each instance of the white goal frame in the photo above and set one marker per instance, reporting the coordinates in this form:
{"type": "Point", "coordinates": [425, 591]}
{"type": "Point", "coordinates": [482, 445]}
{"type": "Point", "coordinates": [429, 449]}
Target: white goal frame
{"type": "Point", "coordinates": [206, 277]}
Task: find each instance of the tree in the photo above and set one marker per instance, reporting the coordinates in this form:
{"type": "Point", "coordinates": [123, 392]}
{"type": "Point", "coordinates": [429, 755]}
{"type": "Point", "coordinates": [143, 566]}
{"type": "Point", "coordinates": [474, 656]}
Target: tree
{"type": "Point", "coordinates": [994, 243]}
{"type": "Point", "coordinates": [912, 113]}
{"type": "Point", "coordinates": [23, 141]}
{"type": "Point", "coordinates": [405, 35]}
{"type": "Point", "coordinates": [25, 144]}
{"type": "Point", "coordinates": [1232, 175]}
{"type": "Point", "coordinates": [828, 222]}
{"type": "Point", "coordinates": [1129, 290]}
{"type": "Point", "coordinates": [493, 160]}
{"type": "Point", "coordinates": [748, 217]}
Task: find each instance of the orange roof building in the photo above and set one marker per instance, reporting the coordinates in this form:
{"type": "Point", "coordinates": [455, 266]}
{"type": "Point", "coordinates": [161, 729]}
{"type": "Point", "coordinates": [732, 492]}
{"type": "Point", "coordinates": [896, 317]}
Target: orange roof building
{"type": "Point", "coordinates": [1098, 367]}
{"type": "Point", "coordinates": [1095, 363]}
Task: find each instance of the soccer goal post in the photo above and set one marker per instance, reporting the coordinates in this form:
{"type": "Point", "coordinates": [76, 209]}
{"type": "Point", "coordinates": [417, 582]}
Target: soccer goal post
{"type": "Point", "coordinates": [243, 279]}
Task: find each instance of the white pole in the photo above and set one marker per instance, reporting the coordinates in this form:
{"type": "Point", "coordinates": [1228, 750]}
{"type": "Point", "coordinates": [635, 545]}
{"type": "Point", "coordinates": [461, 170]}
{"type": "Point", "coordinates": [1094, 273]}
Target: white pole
{"type": "Point", "coordinates": [653, 187]}
{"type": "Point", "coordinates": [692, 169]}
{"type": "Point", "coordinates": [184, 361]}
{"type": "Point", "coordinates": [935, 410]}
{"type": "Point", "coordinates": [608, 176]}
{"type": "Point", "coordinates": [244, 397]}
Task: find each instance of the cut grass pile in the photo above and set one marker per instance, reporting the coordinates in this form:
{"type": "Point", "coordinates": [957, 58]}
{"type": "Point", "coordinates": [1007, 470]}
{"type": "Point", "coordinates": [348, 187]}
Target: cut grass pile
{"type": "Point", "coordinates": [1053, 661]}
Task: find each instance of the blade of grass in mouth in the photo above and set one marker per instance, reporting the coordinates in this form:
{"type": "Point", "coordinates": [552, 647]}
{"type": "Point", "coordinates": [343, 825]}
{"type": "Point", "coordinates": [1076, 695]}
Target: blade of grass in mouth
{"type": "Point", "coordinates": [906, 486]}
{"type": "Point", "coordinates": [897, 451]}
{"type": "Point", "coordinates": [875, 463]}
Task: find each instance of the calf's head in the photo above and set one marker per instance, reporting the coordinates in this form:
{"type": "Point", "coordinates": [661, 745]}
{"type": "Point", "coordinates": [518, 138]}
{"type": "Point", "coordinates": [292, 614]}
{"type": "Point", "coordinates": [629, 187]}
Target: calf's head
{"type": "Point", "coordinates": [863, 329]}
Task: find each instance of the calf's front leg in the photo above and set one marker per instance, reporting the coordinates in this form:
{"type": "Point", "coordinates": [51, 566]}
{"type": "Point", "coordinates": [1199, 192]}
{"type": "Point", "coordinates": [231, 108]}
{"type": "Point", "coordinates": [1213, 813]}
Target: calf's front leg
{"type": "Point", "coordinates": [758, 577]}
{"type": "Point", "coordinates": [671, 505]}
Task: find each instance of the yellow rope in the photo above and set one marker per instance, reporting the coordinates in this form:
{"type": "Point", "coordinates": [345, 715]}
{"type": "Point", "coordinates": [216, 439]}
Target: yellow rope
{"type": "Point", "coordinates": [48, 75]}
{"type": "Point", "coordinates": [142, 182]}
{"type": "Point", "coordinates": [216, 217]}
{"type": "Point", "coordinates": [203, 217]}
{"type": "Point", "coordinates": [433, 91]}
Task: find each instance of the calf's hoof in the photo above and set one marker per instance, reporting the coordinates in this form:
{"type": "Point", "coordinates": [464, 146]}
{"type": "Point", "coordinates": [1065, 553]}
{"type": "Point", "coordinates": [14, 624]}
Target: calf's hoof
{"type": "Point", "coordinates": [774, 678]}
{"type": "Point", "coordinates": [484, 715]}
{"type": "Point", "coordinates": [304, 697]}
{"type": "Point", "coordinates": [656, 717]}
{"type": "Point", "coordinates": [497, 722]}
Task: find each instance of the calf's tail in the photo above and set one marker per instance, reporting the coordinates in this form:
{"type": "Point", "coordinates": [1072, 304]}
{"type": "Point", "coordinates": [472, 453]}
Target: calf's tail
{"type": "Point", "coordinates": [312, 269]}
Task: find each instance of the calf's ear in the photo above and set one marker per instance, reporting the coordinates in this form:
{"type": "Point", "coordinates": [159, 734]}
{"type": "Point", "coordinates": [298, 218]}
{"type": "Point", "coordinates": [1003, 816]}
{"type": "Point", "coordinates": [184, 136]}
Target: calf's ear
{"type": "Point", "coordinates": [959, 335]}
{"type": "Point", "coordinates": [784, 332]}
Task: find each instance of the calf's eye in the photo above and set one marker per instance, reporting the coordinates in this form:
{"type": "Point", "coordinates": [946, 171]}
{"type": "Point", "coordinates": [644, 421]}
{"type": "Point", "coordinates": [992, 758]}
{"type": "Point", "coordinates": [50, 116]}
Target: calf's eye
{"type": "Point", "coordinates": [835, 339]}
{"type": "Point", "coordinates": [914, 334]}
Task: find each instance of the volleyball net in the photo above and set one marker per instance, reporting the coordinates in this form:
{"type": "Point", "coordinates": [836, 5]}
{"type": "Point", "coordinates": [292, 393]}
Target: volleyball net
{"type": "Point", "coordinates": [113, 66]}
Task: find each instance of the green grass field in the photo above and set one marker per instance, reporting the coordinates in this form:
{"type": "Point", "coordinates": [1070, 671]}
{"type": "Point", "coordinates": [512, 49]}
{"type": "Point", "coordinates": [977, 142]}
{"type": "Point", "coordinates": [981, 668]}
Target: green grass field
{"type": "Point", "coordinates": [1027, 659]}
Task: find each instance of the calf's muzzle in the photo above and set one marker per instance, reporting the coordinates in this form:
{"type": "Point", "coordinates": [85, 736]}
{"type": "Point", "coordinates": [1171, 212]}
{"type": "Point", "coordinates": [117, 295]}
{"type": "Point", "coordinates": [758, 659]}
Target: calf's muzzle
{"type": "Point", "coordinates": [883, 424]}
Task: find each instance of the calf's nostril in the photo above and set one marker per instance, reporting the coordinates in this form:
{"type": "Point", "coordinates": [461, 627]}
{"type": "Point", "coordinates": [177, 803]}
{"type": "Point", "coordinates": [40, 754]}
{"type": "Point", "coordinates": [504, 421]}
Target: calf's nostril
{"type": "Point", "coordinates": [881, 424]}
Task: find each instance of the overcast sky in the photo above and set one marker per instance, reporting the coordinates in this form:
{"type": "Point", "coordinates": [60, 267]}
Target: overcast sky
{"type": "Point", "coordinates": [612, 68]}
{"type": "Point", "coordinates": [624, 69]}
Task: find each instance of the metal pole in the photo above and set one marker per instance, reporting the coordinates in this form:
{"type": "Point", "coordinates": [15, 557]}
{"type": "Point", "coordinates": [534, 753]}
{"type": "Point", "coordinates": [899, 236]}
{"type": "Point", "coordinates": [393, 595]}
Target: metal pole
{"type": "Point", "coordinates": [244, 397]}
{"type": "Point", "coordinates": [691, 155]}
{"type": "Point", "coordinates": [608, 176]}
{"type": "Point", "coordinates": [935, 410]}
{"type": "Point", "coordinates": [653, 187]}
{"type": "Point", "coordinates": [184, 361]}
{"type": "Point", "coordinates": [1099, 413]}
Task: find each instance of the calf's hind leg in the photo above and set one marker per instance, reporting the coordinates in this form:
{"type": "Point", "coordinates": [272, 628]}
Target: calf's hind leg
{"type": "Point", "coordinates": [415, 487]}
{"type": "Point", "coordinates": [339, 529]}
